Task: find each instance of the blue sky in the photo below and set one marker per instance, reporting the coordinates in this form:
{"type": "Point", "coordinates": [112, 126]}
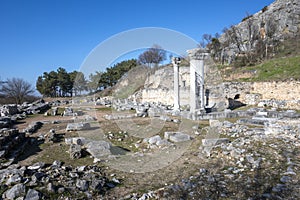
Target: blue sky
{"type": "Point", "coordinates": [42, 35]}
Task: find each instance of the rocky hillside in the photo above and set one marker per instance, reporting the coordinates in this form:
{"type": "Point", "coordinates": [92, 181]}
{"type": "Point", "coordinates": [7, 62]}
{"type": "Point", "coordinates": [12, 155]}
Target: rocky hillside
{"type": "Point", "coordinates": [260, 35]}
{"type": "Point", "coordinates": [283, 15]}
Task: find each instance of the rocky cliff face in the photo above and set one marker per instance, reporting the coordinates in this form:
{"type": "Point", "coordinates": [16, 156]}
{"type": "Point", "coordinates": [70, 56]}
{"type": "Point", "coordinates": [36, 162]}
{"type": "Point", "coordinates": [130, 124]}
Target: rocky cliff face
{"type": "Point", "coordinates": [283, 14]}
{"type": "Point", "coordinates": [271, 25]}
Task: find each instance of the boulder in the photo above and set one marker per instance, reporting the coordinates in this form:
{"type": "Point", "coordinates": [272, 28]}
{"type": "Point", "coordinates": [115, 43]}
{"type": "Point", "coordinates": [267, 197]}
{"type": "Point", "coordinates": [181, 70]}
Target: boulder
{"type": "Point", "coordinates": [54, 111]}
{"type": "Point", "coordinates": [56, 164]}
{"type": "Point", "coordinates": [8, 110]}
{"type": "Point", "coordinates": [98, 149]}
{"type": "Point", "coordinates": [37, 107]}
{"type": "Point", "coordinates": [33, 195]}
{"type": "Point", "coordinates": [154, 139]}
{"type": "Point", "coordinates": [13, 179]}
{"type": "Point", "coordinates": [15, 192]}
{"type": "Point", "coordinates": [157, 140]}
{"type": "Point", "coordinates": [37, 166]}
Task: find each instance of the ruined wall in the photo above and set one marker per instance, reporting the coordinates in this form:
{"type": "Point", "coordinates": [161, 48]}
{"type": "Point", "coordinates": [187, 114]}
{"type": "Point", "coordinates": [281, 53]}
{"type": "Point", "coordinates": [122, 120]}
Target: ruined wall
{"type": "Point", "coordinates": [285, 94]}
{"type": "Point", "coordinates": [165, 95]}
{"type": "Point", "coordinates": [278, 90]}
{"type": "Point", "coordinates": [158, 87]}
{"type": "Point", "coordinates": [268, 90]}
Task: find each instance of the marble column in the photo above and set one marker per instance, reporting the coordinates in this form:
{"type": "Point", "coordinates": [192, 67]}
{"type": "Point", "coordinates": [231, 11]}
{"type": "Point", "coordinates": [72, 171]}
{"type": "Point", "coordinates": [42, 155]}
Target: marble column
{"type": "Point", "coordinates": [197, 57]}
{"type": "Point", "coordinates": [176, 62]}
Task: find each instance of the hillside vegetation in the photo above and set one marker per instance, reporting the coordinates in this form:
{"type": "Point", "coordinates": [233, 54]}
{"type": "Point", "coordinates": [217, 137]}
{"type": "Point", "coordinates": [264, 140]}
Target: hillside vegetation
{"type": "Point", "coordinates": [276, 69]}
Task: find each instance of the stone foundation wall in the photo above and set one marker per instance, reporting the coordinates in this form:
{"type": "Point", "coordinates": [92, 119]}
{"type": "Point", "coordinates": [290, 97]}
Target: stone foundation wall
{"type": "Point", "coordinates": [287, 94]}
{"type": "Point", "coordinates": [159, 88]}
{"type": "Point", "coordinates": [278, 90]}
{"type": "Point", "coordinates": [267, 90]}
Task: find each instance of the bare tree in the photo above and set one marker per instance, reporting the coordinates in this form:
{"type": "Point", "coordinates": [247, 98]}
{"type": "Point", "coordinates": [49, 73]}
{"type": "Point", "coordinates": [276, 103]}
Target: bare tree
{"type": "Point", "coordinates": [17, 89]}
{"type": "Point", "coordinates": [152, 56]}
{"type": "Point", "coordinates": [236, 37]}
{"type": "Point", "coordinates": [205, 40]}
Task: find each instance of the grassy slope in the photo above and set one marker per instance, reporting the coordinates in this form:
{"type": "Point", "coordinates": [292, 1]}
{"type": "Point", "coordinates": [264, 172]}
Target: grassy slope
{"type": "Point", "coordinates": [277, 69]}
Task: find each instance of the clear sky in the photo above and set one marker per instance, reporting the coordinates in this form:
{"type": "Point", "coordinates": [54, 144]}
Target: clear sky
{"type": "Point", "coordinates": [42, 35]}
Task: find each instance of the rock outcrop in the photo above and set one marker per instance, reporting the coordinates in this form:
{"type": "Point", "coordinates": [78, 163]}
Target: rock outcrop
{"type": "Point", "coordinates": [274, 23]}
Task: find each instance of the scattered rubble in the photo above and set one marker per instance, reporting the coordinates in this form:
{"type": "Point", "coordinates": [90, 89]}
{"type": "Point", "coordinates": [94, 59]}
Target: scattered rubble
{"type": "Point", "coordinates": [8, 110]}
{"type": "Point", "coordinates": [51, 181]}
{"type": "Point", "coordinates": [12, 144]}
{"type": "Point", "coordinates": [258, 154]}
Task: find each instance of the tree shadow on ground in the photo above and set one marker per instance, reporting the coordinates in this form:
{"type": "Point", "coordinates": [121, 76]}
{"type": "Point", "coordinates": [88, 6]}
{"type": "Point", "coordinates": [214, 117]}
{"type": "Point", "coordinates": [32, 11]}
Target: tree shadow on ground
{"type": "Point", "coordinates": [32, 148]}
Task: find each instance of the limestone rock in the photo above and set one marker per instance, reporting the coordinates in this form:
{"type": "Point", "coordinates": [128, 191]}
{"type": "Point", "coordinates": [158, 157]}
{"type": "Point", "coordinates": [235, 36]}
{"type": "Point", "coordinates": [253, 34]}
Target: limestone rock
{"type": "Point", "coordinates": [82, 185]}
{"type": "Point", "coordinates": [98, 149]}
{"type": "Point", "coordinates": [8, 110]}
{"type": "Point", "coordinates": [37, 166]}
{"type": "Point", "coordinates": [13, 179]}
{"type": "Point", "coordinates": [33, 127]}
{"type": "Point", "coordinates": [15, 192]}
{"type": "Point", "coordinates": [177, 136]}
{"type": "Point", "coordinates": [216, 141]}
{"type": "Point", "coordinates": [77, 126]}
{"type": "Point", "coordinates": [154, 139]}
{"type": "Point", "coordinates": [33, 195]}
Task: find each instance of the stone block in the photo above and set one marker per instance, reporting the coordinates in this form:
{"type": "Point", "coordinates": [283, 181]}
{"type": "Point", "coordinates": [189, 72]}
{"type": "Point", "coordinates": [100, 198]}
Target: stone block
{"type": "Point", "coordinates": [98, 149]}
{"type": "Point", "coordinates": [214, 141]}
{"type": "Point", "coordinates": [8, 110]}
{"type": "Point", "coordinates": [215, 123]}
{"type": "Point", "coordinates": [77, 126]}
{"type": "Point", "coordinates": [154, 139]}
{"type": "Point", "coordinates": [54, 111]}
{"type": "Point", "coordinates": [33, 195]}
{"type": "Point", "coordinates": [76, 140]}
{"type": "Point", "coordinates": [15, 192]}
{"type": "Point", "coordinates": [177, 136]}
